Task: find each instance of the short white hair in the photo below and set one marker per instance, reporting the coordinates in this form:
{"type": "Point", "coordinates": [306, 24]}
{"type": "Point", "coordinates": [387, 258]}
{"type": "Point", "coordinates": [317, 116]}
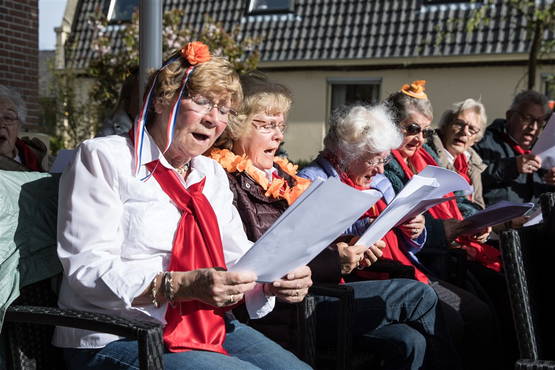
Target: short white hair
{"type": "Point", "coordinates": [360, 129]}
{"type": "Point", "coordinates": [457, 108]}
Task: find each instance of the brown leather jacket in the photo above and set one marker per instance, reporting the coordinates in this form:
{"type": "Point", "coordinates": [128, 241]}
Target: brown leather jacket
{"type": "Point", "coordinates": [258, 212]}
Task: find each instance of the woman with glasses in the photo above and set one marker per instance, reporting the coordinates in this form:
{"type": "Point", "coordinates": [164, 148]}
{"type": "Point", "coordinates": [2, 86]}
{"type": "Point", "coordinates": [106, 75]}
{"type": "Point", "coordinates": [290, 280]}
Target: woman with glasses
{"type": "Point", "coordinates": [459, 128]}
{"type": "Point", "coordinates": [395, 319]}
{"type": "Point", "coordinates": [444, 223]}
{"type": "Point", "coordinates": [147, 228]}
{"type": "Point", "coordinates": [17, 154]}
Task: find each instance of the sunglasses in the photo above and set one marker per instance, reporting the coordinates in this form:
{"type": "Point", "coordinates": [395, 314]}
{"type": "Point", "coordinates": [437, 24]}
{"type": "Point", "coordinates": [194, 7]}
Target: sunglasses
{"type": "Point", "coordinates": [415, 129]}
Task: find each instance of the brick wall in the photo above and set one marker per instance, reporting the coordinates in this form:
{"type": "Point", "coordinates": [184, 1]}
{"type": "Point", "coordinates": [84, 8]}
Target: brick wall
{"type": "Point", "coordinates": [19, 41]}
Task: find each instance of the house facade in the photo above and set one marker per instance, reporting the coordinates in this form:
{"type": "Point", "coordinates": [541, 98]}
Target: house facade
{"type": "Point", "coordinates": [19, 52]}
{"type": "Point", "coordinates": [332, 52]}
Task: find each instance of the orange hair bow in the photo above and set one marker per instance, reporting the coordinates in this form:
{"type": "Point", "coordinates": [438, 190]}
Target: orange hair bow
{"type": "Point", "coordinates": [415, 89]}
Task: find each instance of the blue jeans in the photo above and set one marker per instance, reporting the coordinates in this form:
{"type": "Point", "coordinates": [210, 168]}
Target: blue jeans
{"type": "Point", "coordinates": [397, 319]}
{"type": "Point", "coordinates": [248, 349]}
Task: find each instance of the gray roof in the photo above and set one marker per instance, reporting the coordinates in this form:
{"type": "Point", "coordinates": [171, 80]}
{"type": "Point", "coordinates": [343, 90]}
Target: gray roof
{"type": "Point", "coordinates": [340, 29]}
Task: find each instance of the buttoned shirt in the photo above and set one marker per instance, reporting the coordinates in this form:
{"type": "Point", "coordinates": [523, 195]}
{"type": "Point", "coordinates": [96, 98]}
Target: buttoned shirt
{"type": "Point", "coordinates": [116, 230]}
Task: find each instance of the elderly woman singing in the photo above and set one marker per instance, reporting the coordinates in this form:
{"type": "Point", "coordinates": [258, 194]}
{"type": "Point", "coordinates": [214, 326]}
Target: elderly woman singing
{"type": "Point", "coordinates": [396, 318]}
{"type": "Point", "coordinates": [147, 228]}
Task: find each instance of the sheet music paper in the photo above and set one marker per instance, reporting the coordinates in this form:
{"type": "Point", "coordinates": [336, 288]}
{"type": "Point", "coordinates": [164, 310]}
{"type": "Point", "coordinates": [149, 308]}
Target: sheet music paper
{"type": "Point", "coordinates": [535, 218]}
{"type": "Point", "coordinates": [495, 214]}
{"type": "Point", "coordinates": [324, 211]}
{"type": "Point", "coordinates": [422, 192]}
{"type": "Point", "coordinates": [63, 159]}
{"type": "Point", "coordinates": [545, 145]}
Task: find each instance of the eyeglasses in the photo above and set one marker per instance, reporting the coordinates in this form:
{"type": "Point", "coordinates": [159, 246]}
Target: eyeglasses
{"type": "Point", "coordinates": [379, 161]}
{"type": "Point", "coordinates": [528, 120]}
{"type": "Point", "coordinates": [265, 127]}
{"type": "Point", "coordinates": [9, 119]}
{"type": "Point", "coordinates": [461, 125]}
{"type": "Point", "coordinates": [415, 129]}
{"type": "Point", "coordinates": [204, 105]}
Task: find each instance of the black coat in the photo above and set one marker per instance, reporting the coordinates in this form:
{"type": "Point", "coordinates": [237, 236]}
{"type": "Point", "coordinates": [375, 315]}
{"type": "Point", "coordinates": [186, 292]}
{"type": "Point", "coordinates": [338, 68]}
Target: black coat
{"type": "Point", "coordinates": [501, 180]}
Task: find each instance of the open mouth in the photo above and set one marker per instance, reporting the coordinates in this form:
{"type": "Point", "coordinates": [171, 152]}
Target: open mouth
{"type": "Point", "coordinates": [270, 151]}
{"type": "Point", "coordinates": [200, 137]}
{"type": "Point", "coordinates": [458, 141]}
{"type": "Point", "coordinates": [3, 138]}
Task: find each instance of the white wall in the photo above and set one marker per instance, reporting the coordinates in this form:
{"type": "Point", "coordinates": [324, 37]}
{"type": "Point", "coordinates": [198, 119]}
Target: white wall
{"type": "Point", "coordinates": [496, 86]}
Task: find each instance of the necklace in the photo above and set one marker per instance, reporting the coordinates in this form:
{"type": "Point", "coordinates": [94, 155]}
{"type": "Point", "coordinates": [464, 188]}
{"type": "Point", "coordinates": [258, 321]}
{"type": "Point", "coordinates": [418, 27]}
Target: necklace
{"type": "Point", "coordinates": [183, 169]}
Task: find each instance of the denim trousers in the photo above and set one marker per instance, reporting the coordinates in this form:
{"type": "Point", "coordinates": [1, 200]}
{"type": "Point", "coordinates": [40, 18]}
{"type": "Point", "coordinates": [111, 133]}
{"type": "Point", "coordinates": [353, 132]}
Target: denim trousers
{"type": "Point", "coordinates": [247, 348]}
{"type": "Point", "coordinates": [398, 320]}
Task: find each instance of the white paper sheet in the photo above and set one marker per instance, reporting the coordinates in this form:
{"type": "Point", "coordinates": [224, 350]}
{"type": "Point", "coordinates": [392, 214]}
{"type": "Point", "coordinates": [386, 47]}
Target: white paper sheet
{"type": "Point", "coordinates": [495, 214]}
{"type": "Point", "coordinates": [535, 218]}
{"type": "Point", "coordinates": [422, 192]}
{"type": "Point", "coordinates": [324, 211]}
{"type": "Point", "coordinates": [63, 159]}
{"type": "Point", "coordinates": [545, 146]}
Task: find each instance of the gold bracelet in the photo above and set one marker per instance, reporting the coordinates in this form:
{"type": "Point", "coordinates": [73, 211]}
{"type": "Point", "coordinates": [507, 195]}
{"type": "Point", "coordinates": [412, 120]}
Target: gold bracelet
{"type": "Point", "coordinates": [168, 288]}
{"type": "Point", "coordinates": [154, 290]}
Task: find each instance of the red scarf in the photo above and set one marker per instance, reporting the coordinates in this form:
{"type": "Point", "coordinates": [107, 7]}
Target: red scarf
{"type": "Point", "coordinates": [483, 253]}
{"type": "Point", "coordinates": [197, 244]}
{"type": "Point", "coordinates": [461, 166]}
{"type": "Point", "coordinates": [28, 157]}
{"type": "Point", "coordinates": [392, 250]}
{"type": "Point", "coordinates": [517, 148]}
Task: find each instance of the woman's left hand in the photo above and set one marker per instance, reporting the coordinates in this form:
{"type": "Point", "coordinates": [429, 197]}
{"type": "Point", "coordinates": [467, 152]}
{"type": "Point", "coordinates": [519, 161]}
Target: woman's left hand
{"type": "Point", "coordinates": [414, 227]}
{"type": "Point", "coordinates": [293, 287]}
{"type": "Point", "coordinates": [482, 236]}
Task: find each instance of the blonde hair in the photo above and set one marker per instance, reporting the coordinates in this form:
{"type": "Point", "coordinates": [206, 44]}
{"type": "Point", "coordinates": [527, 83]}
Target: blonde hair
{"type": "Point", "coordinates": [215, 77]}
{"type": "Point", "coordinates": [260, 96]}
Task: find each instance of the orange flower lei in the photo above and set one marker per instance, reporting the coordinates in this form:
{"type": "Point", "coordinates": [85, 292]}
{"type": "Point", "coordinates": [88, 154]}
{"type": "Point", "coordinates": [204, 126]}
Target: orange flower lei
{"type": "Point", "coordinates": [277, 188]}
{"type": "Point", "coordinates": [415, 89]}
{"type": "Point", "coordinates": [196, 52]}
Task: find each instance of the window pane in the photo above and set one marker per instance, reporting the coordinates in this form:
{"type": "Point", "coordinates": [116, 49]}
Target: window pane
{"type": "Point", "coordinates": [270, 6]}
{"type": "Point", "coordinates": [122, 10]}
{"type": "Point", "coordinates": [550, 87]}
{"type": "Point", "coordinates": [342, 94]}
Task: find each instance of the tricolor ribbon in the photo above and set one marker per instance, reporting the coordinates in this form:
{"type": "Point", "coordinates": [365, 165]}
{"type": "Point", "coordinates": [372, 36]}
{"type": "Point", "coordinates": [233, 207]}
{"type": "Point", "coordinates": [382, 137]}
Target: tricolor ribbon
{"type": "Point", "coordinates": [140, 124]}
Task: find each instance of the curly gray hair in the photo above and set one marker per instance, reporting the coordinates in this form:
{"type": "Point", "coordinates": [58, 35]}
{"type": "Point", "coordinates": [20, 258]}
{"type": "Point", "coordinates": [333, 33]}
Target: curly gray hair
{"type": "Point", "coordinates": [359, 129]}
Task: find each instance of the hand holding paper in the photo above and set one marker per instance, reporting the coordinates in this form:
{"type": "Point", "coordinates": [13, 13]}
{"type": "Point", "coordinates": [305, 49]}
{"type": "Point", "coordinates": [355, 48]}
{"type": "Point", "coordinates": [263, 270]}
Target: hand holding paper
{"type": "Point", "coordinates": [324, 211]}
{"type": "Point", "coordinates": [493, 215]}
{"type": "Point", "coordinates": [422, 192]}
{"type": "Point", "coordinates": [545, 145]}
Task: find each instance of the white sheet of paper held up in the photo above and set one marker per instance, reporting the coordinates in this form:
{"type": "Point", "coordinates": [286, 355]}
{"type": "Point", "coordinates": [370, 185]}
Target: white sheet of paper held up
{"type": "Point", "coordinates": [535, 218]}
{"type": "Point", "coordinates": [324, 211]}
{"type": "Point", "coordinates": [495, 214]}
{"type": "Point", "coordinates": [545, 146]}
{"type": "Point", "coordinates": [422, 192]}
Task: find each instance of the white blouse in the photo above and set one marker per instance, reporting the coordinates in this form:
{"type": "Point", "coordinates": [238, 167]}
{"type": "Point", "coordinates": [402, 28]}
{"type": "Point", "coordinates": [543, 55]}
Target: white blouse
{"type": "Point", "coordinates": [115, 233]}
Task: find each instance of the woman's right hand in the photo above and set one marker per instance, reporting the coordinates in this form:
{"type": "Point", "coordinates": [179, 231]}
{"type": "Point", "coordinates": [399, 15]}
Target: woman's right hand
{"type": "Point", "coordinates": [350, 256]}
{"type": "Point", "coordinates": [212, 286]}
{"type": "Point", "coordinates": [453, 228]}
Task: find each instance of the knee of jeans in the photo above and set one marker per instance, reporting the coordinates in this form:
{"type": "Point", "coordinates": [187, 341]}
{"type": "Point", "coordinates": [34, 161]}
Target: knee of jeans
{"type": "Point", "coordinates": [410, 343]}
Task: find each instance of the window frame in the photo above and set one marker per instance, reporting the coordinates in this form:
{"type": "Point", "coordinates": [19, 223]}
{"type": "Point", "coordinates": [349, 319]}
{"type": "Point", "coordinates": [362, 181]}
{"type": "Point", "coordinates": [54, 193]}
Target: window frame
{"type": "Point", "coordinates": [331, 81]}
{"type": "Point", "coordinates": [111, 9]}
{"type": "Point", "coordinates": [252, 11]}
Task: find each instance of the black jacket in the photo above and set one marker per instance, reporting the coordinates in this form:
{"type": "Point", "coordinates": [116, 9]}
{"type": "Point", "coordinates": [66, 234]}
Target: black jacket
{"type": "Point", "coordinates": [501, 180]}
